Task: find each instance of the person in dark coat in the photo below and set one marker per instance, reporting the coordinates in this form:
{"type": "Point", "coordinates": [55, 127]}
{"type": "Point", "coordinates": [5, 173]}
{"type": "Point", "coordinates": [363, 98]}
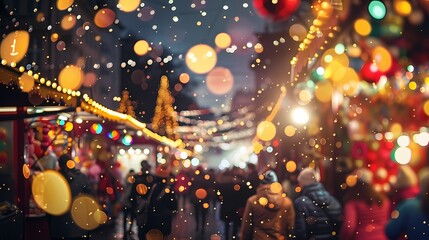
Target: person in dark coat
{"type": "Point", "coordinates": [412, 216]}
{"type": "Point", "coordinates": [142, 184]}
{"type": "Point", "coordinates": [163, 204]}
{"type": "Point", "coordinates": [199, 198]}
{"type": "Point", "coordinates": [63, 226]}
{"type": "Point", "coordinates": [318, 213]}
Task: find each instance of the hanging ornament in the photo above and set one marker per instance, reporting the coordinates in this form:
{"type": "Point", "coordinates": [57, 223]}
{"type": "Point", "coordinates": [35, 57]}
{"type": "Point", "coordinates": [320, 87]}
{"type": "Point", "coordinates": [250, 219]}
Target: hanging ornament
{"type": "Point", "coordinates": [276, 10]}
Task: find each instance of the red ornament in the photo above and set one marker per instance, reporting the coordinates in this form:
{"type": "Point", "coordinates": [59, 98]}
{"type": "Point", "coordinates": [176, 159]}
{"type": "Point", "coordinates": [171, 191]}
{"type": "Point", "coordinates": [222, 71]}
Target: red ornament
{"type": "Point", "coordinates": [370, 72]}
{"type": "Point", "coordinates": [276, 10]}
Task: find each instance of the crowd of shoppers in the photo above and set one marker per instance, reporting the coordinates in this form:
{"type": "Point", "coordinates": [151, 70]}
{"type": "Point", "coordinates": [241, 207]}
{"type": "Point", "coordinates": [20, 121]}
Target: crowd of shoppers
{"type": "Point", "coordinates": [255, 205]}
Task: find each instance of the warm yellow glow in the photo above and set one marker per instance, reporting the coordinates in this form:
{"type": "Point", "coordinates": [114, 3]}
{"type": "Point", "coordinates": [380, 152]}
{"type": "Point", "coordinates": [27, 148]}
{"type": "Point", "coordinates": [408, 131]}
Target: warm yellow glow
{"type": "Point", "coordinates": [290, 130]}
{"type": "Point", "coordinates": [297, 32]}
{"type": "Point", "coordinates": [276, 187]}
{"type": "Point", "coordinates": [128, 5]}
{"type": "Point", "coordinates": [362, 27]}
{"type": "Point", "coordinates": [223, 40]}
{"type": "Point", "coordinates": [402, 7]}
{"type": "Point", "coordinates": [201, 58]}
{"type": "Point", "coordinates": [184, 78]}
{"type": "Point", "coordinates": [382, 58]}
{"type": "Point", "coordinates": [201, 193]}
{"type": "Point", "coordinates": [426, 107]}
{"type": "Point", "coordinates": [291, 166]}
{"type": "Point", "coordinates": [68, 21]}
{"type": "Point", "coordinates": [141, 47]}
{"type": "Point", "coordinates": [83, 212]}
{"type": "Point", "coordinates": [263, 201]}
{"type": "Point", "coordinates": [26, 82]}
{"type": "Point", "coordinates": [266, 131]}
{"type": "Point", "coordinates": [26, 171]}
{"type": "Point", "coordinates": [259, 48]}
{"type": "Point", "coordinates": [51, 192]}
{"type": "Point", "coordinates": [64, 4]}
{"type": "Point", "coordinates": [14, 47]}
{"type": "Point", "coordinates": [71, 77]}
{"type": "Point", "coordinates": [323, 91]}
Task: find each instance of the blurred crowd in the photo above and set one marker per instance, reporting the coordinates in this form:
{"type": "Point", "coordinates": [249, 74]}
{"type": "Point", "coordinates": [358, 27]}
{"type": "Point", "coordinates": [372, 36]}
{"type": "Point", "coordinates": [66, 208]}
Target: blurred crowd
{"type": "Point", "coordinates": [255, 204]}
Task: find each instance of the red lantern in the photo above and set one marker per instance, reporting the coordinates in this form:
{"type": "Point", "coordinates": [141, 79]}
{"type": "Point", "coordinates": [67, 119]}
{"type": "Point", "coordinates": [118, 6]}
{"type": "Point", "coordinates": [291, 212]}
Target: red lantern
{"type": "Point", "coordinates": [370, 72]}
{"type": "Point", "coordinates": [276, 10]}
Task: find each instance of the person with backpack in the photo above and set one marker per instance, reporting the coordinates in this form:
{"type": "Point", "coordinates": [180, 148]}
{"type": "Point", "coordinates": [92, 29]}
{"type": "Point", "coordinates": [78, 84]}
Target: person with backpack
{"type": "Point", "coordinates": [269, 214]}
{"type": "Point", "coordinates": [318, 213]}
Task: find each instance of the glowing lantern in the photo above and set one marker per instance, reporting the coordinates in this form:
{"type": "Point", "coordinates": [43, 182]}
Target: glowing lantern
{"type": "Point", "coordinates": [220, 80]}
{"type": "Point", "coordinates": [89, 79]}
{"type": "Point", "coordinates": [266, 131]}
{"type": "Point", "coordinates": [64, 4]}
{"type": "Point", "coordinates": [362, 27]}
{"type": "Point", "coordinates": [201, 58]}
{"type": "Point", "coordinates": [276, 10]}
{"type": "Point", "coordinates": [223, 40]}
{"type": "Point", "coordinates": [323, 91]}
{"type": "Point", "coordinates": [377, 9]}
{"type": "Point", "coordinates": [402, 7]}
{"type": "Point", "coordinates": [14, 46]}
{"type": "Point", "coordinates": [83, 212]}
{"type": "Point", "coordinates": [382, 58]}
{"type": "Point", "coordinates": [104, 18]}
{"type": "Point", "coordinates": [71, 77]}
{"type": "Point", "coordinates": [128, 5]}
{"type": "Point", "coordinates": [141, 47]}
{"type": "Point", "coordinates": [26, 82]}
{"type": "Point", "coordinates": [297, 32]}
{"type": "Point", "coordinates": [51, 192]}
{"type": "Point", "coordinates": [184, 78]}
{"type": "Point", "coordinates": [370, 72]}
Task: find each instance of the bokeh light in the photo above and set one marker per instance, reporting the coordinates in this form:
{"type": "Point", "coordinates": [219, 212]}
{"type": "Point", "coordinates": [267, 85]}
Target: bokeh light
{"type": "Point", "coordinates": [201, 58]}
{"type": "Point", "coordinates": [26, 82]}
{"type": "Point", "coordinates": [184, 78]}
{"type": "Point", "coordinates": [128, 5]}
{"type": "Point", "coordinates": [89, 79]}
{"type": "Point", "coordinates": [26, 171]}
{"type": "Point", "coordinates": [201, 193]}
{"type": "Point", "coordinates": [323, 91]}
{"type": "Point", "coordinates": [382, 58]}
{"type": "Point", "coordinates": [51, 192]}
{"type": "Point", "coordinates": [377, 9]}
{"type": "Point", "coordinates": [68, 22]}
{"type": "Point", "coordinates": [14, 46]}
{"type": "Point", "coordinates": [64, 4]}
{"type": "Point", "coordinates": [127, 140]}
{"type": "Point", "coordinates": [220, 80]}
{"type": "Point", "coordinates": [223, 40]}
{"type": "Point", "coordinates": [266, 131]}
{"type": "Point", "coordinates": [83, 212]}
{"type": "Point", "coordinates": [300, 116]}
{"type": "Point", "coordinates": [297, 32]}
{"type": "Point", "coordinates": [402, 7]}
{"type": "Point", "coordinates": [362, 27]}
{"type": "Point", "coordinates": [141, 47]}
{"type": "Point", "coordinates": [154, 234]}
{"type": "Point", "coordinates": [402, 155]}
{"type": "Point", "coordinates": [114, 135]}
{"type": "Point", "coordinates": [290, 130]}
{"type": "Point", "coordinates": [291, 166]}
{"type": "Point", "coordinates": [276, 187]}
{"type": "Point", "coordinates": [71, 77]}
{"type": "Point", "coordinates": [96, 128]}
{"type": "Point", "coordinates": [104, 18]}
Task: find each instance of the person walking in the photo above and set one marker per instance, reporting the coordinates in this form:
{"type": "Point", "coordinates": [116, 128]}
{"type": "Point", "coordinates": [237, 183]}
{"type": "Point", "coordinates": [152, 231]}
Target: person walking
{"type": "Point", "coordinates": [366, 211]}
{"type": "Point", "coordinates": [318, 213]}
{"type": "Point", "coordinates": [63, 226]}
{"type": "Point", "coordinates": [269, 214]}
{"type": "Point", "coordinates": [142, 184]}
{"type": "Point", "coordinates": [412, 216]}
{"type": "Point", "coordinates": [162, 205]}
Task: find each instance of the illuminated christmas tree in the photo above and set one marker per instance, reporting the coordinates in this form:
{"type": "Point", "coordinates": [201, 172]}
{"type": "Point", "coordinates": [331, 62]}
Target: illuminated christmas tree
{"type": "Point", "coordinates": [164, 121]}
{"type": "Point", "coordinates": [125, 104]}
